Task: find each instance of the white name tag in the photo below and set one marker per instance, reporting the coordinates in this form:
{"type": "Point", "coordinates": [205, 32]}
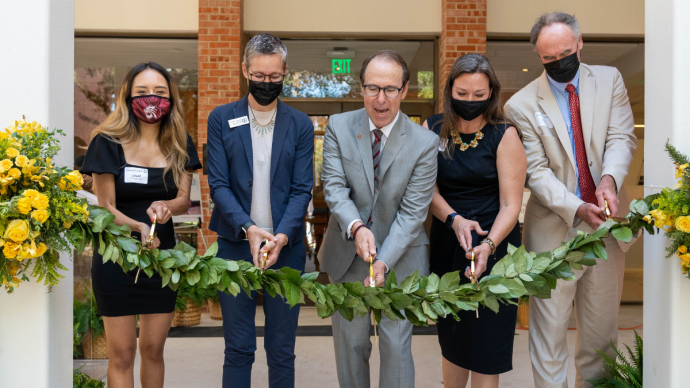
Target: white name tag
{"type": "Point", "coordinates": [239, 121]}
{"type": "Point", "coordinates": [136, 175]}
{"type": "Point", "coordinates": [543, 120]}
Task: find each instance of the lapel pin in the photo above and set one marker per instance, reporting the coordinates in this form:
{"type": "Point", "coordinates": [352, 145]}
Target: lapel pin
{"type": "Point", "coordinates": [359, 135]}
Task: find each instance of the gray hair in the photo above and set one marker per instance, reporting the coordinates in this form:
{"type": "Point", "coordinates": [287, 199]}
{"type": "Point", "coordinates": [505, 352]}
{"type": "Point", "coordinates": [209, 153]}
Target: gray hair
{"type": "Point", "coordinates": [548, 19]}
{"type": "Point", "coordinates": [264, 44]}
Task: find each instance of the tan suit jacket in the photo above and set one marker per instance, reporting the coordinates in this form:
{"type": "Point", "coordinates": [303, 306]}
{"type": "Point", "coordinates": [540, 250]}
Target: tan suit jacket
{"type": "Point", "coordinates": [608, 131]}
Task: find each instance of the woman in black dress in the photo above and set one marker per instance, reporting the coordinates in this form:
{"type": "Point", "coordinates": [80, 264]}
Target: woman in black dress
{"type": "Point", "coordinates": [481, 177]}
{"type": "Point", "coordinates": [141, 160]}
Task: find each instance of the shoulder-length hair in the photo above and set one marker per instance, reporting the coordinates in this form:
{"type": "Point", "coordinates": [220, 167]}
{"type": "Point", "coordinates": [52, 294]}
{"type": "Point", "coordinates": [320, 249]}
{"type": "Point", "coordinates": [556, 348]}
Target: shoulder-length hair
{"type": "Point", "coordinates": [122, 126]}
{"type": "Point", "coordinates": [470, 64]}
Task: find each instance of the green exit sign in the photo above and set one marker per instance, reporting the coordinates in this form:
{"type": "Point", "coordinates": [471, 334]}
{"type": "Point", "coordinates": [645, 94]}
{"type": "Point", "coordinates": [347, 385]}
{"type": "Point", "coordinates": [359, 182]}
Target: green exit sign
{"type": "Point", "coordinates": [341, 66]}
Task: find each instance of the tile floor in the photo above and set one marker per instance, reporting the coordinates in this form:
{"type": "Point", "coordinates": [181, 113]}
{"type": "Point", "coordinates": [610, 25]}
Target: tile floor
{"type": "Point", "coordinates": [197, 362]}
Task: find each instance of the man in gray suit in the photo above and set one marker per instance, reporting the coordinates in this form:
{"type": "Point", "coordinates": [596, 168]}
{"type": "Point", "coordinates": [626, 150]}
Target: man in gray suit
{"type": "Point", "coordinates": [379, 170]}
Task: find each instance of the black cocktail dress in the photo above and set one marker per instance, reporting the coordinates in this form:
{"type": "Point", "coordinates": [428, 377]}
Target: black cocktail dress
{"type": "Point", "coordinates": [116, 292]}
{"type": "Point", "coordinates": [469, 183]}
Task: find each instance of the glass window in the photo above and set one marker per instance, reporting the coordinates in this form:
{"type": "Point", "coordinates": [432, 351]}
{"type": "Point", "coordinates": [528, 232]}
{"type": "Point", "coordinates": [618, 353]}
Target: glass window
{"type": "Point", "coordinates": [330, 68]}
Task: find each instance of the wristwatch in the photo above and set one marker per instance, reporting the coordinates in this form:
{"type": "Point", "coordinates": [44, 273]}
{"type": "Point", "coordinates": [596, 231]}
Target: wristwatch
{"type": "Point", "coordinates": [245, 228]}
{"type": "Point", "coordinates": [449, 220]}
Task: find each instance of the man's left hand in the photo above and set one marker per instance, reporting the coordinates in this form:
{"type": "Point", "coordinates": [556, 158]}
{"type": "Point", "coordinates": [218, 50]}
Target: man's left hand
{"type": "Point", "coordinates": [379, 275]}
{"type": "Point", "coordinates": [607, 191]}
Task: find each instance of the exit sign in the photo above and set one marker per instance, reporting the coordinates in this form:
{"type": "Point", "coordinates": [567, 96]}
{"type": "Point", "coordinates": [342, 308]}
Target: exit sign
{"type": "Point", "coordinates": [341, 66]}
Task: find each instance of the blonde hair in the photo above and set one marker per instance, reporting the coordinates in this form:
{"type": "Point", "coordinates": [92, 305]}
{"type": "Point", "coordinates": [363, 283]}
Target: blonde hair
{"type": "Point", "coordinates": [122, 126]}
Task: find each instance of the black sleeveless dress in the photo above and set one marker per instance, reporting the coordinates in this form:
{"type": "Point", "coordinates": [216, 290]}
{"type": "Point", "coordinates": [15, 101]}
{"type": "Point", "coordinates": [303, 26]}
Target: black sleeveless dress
{"type": "Point", "coordinates": [116, 292]}
{"type": "Point", "coordinates": [469, 183]}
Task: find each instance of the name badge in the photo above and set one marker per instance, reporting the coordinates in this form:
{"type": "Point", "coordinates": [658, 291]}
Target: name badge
{"type": "Point", "coordinates": [136, 175]}
{"type": "Point", "coordinates": [239, 121]}
{"type": "Point", "coordinates": [543, 120]}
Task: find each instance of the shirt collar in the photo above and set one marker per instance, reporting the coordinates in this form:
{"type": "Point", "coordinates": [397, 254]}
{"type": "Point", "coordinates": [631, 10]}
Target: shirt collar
{"type": "Point", "coordinates": [387, 129]}
{"type": "Point", "coordinates": [560, 86]}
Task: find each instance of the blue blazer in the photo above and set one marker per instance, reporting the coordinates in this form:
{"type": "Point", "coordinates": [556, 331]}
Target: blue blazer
{"type": "Point", "coordinates": [230, 171]}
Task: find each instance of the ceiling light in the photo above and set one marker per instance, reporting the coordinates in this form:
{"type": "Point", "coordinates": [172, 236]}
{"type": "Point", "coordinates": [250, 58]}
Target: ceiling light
{"type": "Point", "coordinates": [525, 70]}
{"type": "Point", "coordinates": [639, 125]}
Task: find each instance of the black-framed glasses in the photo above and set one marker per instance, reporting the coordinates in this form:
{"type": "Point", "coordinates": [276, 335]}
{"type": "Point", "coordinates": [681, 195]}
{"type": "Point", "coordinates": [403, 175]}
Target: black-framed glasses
{"type": "Point", "coordinates": [389, 91]}
{"type": "Point", "coordinates": [260, 77]}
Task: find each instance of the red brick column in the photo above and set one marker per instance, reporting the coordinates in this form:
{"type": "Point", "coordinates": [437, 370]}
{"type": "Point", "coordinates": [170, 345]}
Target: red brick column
{"type": "Point", "coordinates": [220, 37]}
{"type": "Point", "coordinates": [463, 31]}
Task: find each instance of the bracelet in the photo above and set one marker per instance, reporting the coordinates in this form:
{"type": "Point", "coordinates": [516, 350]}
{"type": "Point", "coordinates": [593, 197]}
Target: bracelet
{"type": "Point", "coordinates": [164, 205]}
{"type": "Point", "coordinates": [354, 235]}
{"type": "Point", "coordinates": [491, 244]}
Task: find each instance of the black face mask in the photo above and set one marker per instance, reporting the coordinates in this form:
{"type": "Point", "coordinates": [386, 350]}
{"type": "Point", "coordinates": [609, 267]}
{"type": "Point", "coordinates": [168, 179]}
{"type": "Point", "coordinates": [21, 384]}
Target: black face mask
{"type": "Point", "coordinates": [470, 110]}
{"type": "Point", "coordinates": [564, 69]}
{"type": "Point", "coordinates": [265, 92]}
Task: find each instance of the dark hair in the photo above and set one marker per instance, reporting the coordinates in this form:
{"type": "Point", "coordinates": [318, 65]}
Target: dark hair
{"type": "Point", "coordinates": [470, 64]}
{"type": "Point", "coordinates": [122, 126]}
{"type": "Point", "coordinates": [264, 44]}
{"type": "Point", "coordinates": [388, 55]}
{"type": "Point", "coordinates": [548, 19]}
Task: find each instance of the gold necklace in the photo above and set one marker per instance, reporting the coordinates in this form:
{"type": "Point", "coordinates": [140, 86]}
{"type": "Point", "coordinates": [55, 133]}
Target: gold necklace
{"type": "Point", "coordinates": [464, 146]}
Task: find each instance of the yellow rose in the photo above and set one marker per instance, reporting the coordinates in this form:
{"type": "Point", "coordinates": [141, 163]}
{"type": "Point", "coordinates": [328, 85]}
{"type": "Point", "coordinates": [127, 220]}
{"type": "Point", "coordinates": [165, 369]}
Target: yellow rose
{"type": "Point", "coordinates": [30, 193]}
{"type": "Point", "coordinates": [41, 202]}
{"type": "Point", "coordinates": [23, 204]}
{"type": "Point", "coordinates": [5, 165]}
{"type": "Point", "coordinates": [40, 215]}
{"type": "Point", "coordinates": [683, 249]}
{"type": "Point", "coordinates": [76, 178]}
{"type": "Point", "coordinates": [11, 249]}
{"type": "Point", "coordinates": [21, 161]}
{"type": "Point", "coordinates": [17, 230]}
{"type": "Point", "coordinates": [14, 173]}
{"type": "Point", "coordinates": [41, 249]}
{"type": "Point", "coordinates": [683, 224]}
{"type": "Point", "coordinates": [66, 224]}
{"type": "Point", "coordinates": [12, 153]}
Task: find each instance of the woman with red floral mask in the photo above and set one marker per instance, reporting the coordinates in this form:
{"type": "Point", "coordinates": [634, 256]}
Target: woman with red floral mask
{"type": "Point", "coordinates": [141, 159]}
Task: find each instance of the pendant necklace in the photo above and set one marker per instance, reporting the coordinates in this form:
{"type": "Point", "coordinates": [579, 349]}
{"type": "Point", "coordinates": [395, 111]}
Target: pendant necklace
{"type": "Point", "coordinates": [263, 129]}
{"type": "Point", "coordinates": [464, 146]}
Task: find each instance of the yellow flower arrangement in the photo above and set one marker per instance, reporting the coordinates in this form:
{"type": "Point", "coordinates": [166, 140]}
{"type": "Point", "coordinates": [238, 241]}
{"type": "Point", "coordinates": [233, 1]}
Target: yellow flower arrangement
{"type": "Point", "coordinates": [40, 213]}
{"type": "Point", "coordinates": [683, 224]}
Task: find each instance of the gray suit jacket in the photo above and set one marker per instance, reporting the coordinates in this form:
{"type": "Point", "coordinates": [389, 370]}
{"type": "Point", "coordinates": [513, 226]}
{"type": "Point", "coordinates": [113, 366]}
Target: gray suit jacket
{"type": "Point", "coordinates": [407, 173]}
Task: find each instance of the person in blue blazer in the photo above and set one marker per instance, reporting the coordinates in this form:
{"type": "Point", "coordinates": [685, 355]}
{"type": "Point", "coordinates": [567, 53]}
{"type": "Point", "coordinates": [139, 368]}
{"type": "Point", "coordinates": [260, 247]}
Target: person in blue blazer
{"type": "Point", "coordinates": [260, 171]}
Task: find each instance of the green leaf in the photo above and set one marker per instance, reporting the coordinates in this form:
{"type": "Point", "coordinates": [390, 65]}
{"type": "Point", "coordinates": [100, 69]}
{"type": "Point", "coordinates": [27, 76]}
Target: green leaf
{"type": "Point", "coordinates": [400, 300]}
{"type": "Point", "coordinates": [560, 252]}
{"type": "Point", "coordinates": [292, 293]}
{"type": "Point", "coordinates": [432, 284]}
{"type": "Point", "coordinates": [212, 251]}
{"type": "Point", "coordinates": [354, 288]}
{"type": "Point", "coordinates": [498, 289]}
{"type": "Point", "coordinates": [128, 244]}
{"type": "Point", "coordinates": [467, 306]}
{"type": "Point", "coordinates": [575, 256]}
{"type": "Point", "coordinates": [373, 301]}
{"type": "Point", "coordinates": [193, 277]}
{"type": "Point", "coordinates": [175, 276]}
{"type": "Point", "coordinates": [231, 266]}
{"type": "Point", "coordinates": [428, 311]}
{"type": "Point", "coordinates": [101, 221]}
{"type": "Point", "coordinates": [499, 269]}
{"type": "Point", "coordinates": [541, 262]}
{"type": "Point", "coordinates": [448, 296]}
{"type": "Point", "coordinates": [622, 233]}
{"type": "Point", "coordinates": [562, 271]}
{"type": "Point", "coordinates": [520, 265]}
{"type": "Point", "coordinates": [311, 276]}
{"type": "Point", "coordinates": [511, 249]}
{"type": "Point", "coordinates": [511, 272]}
{"type": "Point", "coordinates": [449, 281]}
{"type": "Point", "coordinates": [600, 250]}
{"type": "Point", "coordinates": [391, 280]}
{"type": "Point", "coordinates": [525, 277]}
{"type": "Point", "coordinates": [491, 302]}
{"type": "Point", "coordinates": [108, 253]}
{"type": "Point", "coordinates": [576, 266]}
{"type": "Point", "coordinates": [411, 283]}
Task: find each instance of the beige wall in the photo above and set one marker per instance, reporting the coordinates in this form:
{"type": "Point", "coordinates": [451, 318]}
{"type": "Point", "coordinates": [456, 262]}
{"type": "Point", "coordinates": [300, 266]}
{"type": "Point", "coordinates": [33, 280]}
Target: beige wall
{"type": "Point", "coordinates": [596, 17]}
{"type": "Point", "coordinates": [409, 17]}
{"type": "Point", "coordinates": [174, 16]}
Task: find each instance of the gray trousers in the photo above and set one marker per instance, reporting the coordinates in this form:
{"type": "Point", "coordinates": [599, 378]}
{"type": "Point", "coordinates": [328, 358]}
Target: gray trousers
{"type": "Point", "coordinates": [353, 344]}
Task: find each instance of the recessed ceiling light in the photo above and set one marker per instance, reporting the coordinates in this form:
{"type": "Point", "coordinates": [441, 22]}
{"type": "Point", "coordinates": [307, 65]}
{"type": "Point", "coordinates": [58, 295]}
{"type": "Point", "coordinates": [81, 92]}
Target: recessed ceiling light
{"type": "Point", "coordinates": [525, 70]}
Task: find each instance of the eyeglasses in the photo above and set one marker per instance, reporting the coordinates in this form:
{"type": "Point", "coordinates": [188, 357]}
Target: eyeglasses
{"type": "Point", "coordinates": [259, 78]}
{"type": "Point", "coordinates": [389, 91]}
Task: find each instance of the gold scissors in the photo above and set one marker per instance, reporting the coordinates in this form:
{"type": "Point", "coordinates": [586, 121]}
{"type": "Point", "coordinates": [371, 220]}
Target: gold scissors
{"type": "Point", "coordinates": [149, 241]}
{"type": "Point", "coordinates": [264, 257]}
{"type": "Point", "coordinates": [620, 220]}
{"type": "Point", "coordinates": [473, 278]}
{"type": "Point", "coordinates": [372, 283]}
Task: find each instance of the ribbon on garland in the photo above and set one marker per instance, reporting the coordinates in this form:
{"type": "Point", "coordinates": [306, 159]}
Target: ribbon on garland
{"type": "Point", "coordinates": [417, 298]}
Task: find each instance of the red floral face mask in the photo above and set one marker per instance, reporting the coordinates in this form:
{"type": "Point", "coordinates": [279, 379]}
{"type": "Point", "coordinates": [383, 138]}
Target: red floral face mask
{"type": "Point", "coordinates": [151, 109]}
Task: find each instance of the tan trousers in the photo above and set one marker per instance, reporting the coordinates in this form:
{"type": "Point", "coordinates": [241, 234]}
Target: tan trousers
{"type": "Point", "coordinates": [597, 294]}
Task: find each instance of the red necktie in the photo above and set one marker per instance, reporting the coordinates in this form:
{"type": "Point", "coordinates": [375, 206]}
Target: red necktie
{"type": "Point", "coordinates": [587, 187]}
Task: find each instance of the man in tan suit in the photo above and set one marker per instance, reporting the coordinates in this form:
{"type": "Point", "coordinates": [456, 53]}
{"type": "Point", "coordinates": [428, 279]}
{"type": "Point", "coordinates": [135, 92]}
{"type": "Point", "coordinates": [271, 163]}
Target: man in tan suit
{"type": "Point", "coordinates": [578, 133]}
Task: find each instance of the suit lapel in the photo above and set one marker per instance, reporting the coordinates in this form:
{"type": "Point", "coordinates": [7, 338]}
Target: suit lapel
{"type": "Point", "coordinates": [548, 103]}
{"type": "Point", "coordinates": [364, 142]}
{"type": "Point", "coordinates": [279, 132]}
{"type": "Point", "coordinates": [394, 143]}
{"type": "Point", "coordinates": [241, 110]}
{"type": "Point", "coordinates": [587, 93]}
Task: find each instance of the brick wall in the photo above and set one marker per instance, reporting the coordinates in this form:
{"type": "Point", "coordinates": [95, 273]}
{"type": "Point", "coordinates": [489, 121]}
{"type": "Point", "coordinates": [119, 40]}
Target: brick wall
{"type": "Point", "coordinates": [463, 31]}
{"type": "Point", "coordinates": [220, 40]}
